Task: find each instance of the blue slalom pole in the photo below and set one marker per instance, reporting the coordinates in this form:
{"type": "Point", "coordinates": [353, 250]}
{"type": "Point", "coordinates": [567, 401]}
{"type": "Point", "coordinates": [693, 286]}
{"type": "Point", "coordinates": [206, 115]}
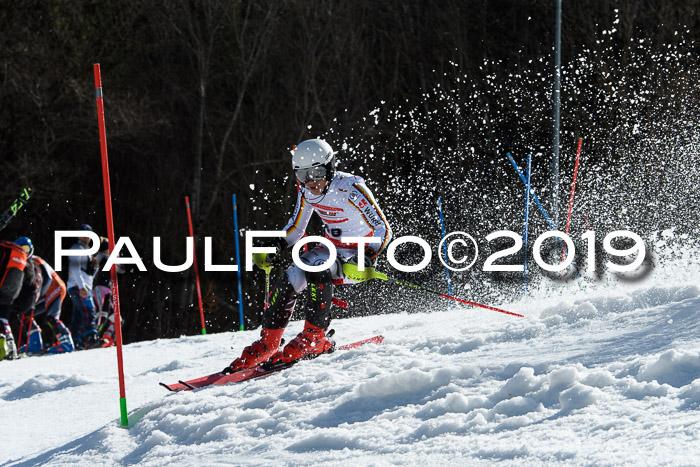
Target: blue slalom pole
{"type": "Point", "coordinates": [527, 204]}
{"type": "Point", "coordinates": [442, 230]}
{"type": "Point", "coordinates": [534, 196]}
{"type": "Point", "coordinates": [238, 261]}
{"type": "Point", "coordinates": [537, 201]}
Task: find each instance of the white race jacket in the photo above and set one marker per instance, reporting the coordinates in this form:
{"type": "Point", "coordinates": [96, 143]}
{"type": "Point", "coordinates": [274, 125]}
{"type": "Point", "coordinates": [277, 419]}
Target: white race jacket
{"type": "Point", "coordinates": [81, 272]}
{"type": "Point", "coordinates": [347, 209]}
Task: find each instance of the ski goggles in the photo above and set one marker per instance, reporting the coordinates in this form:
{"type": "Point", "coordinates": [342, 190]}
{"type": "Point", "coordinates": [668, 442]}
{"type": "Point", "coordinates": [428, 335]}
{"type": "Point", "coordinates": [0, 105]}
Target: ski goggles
{"type": "Point", "coordinates": [311, 174]}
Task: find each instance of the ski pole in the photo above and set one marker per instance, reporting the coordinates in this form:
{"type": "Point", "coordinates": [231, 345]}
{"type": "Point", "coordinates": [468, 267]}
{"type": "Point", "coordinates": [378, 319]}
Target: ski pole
{"type": "Point", "coordinates": [16, 205]}
{"type": "Point", "coordinates": [29, 331]}
{"type": "Point", "coordinates": [370, 273]}
{"type": "Point", "coordinates": [267, 288]}
{"type": "Point", "coordinates": [21, 331]}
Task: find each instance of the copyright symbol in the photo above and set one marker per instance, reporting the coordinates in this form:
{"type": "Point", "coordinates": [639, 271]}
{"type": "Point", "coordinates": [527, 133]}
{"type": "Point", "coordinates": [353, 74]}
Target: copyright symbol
{"type": "Point", "coordinates": [458, 242]}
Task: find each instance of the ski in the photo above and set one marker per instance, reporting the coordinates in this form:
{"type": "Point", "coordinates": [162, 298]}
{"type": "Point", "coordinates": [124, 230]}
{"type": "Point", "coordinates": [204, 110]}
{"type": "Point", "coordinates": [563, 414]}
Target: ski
{"type": "Point", "coordinates": [14, 208]}
{"type": "Point", "coordinates": [372, 340]}
{"type": "Point", "coordinates": [221, 378]}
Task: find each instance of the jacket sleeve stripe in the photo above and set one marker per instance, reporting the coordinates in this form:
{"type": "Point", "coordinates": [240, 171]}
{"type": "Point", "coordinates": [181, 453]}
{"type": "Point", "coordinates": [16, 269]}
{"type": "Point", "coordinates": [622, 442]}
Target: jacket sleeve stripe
{"type": "Point", "coordinates": [387, 228]}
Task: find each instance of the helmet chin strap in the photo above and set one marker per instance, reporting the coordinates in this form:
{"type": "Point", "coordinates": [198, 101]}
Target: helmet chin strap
{"type": "Point", "coordinates": [320, 195]}
{"type": "Point", "coordinates": [325, 189]}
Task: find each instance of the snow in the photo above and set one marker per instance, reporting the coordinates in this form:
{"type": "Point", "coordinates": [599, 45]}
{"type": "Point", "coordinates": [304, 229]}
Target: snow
{"type": "Point", "coordinates": [610, 375]}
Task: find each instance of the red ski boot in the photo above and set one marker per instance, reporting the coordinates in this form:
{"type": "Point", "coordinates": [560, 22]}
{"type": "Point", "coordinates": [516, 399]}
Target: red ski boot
{"type": "Point", "coordinates": [310, 343]}
{"type": "Point", "coordinates": [259, 351]}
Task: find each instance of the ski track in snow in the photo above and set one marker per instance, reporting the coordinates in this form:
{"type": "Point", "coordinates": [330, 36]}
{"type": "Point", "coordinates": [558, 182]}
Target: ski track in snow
{"type": "Point", "coordinates": [602, 378]}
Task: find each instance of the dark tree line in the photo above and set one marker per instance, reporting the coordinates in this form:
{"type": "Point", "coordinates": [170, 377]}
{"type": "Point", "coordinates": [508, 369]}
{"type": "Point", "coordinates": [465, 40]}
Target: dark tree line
{"type": "Point", "coordinates": [206, 98]}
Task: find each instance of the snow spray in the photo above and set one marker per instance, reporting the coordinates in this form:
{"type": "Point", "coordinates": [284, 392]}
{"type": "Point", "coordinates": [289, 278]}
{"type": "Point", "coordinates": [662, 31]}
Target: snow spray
{"type": "Point", "coordinates": [442, 231]}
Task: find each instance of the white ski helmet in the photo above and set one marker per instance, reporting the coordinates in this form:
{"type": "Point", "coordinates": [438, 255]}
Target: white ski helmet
{"type": "Point", "coordinates": [313, 160]}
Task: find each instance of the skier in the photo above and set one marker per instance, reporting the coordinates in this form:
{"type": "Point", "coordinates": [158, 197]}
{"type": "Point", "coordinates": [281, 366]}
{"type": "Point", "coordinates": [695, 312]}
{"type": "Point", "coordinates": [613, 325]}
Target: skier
{"type": "Point", "coordinates": [81, 272]}
{"type": "Point", "coordinates": [348, 209]}
{"type": "Point", "coordinates": [29, 291]}
{"type": "Point", "coordinates": [13, 261]}
{"type": "Point", "coordinates": [53, 292]}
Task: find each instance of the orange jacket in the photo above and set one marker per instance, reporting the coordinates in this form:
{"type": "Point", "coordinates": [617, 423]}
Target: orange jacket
{"type": "Point", "coordinates": [12, 256]}
{"type": "Point", "coordinates": [53, 286]}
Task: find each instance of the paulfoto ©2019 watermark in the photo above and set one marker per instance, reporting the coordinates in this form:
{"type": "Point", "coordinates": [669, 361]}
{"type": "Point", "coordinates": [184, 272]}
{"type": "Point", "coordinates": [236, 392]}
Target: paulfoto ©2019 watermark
{"type": "Point", "coordinates": [460, 248]}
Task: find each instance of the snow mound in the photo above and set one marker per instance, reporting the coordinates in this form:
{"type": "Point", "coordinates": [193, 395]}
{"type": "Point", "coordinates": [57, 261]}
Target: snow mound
{"type": "Point", "coordinates": [635, 300]}
{"type": "Point", "coordinates": [672, 367]}
{"type": "Point", "coordinates": [172, 366]}
{"type": "Point", "coordinates": [691, 395]}
{"type": "Point", "coordinates": [599, 378]}
{"type": "Point", "coordinates": [46, 383]}
{"type": "Point", "coordinates": [578, 397]}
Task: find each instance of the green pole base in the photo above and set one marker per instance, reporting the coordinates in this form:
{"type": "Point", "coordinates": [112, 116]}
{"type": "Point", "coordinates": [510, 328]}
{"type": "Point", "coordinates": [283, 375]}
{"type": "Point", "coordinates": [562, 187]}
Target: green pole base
{"type": "Point", "coordinates": [204, 331]}
{"type": "Point", "coordinates": [125, 417]}
{"type": "Point", "coordinates": [241, 328]}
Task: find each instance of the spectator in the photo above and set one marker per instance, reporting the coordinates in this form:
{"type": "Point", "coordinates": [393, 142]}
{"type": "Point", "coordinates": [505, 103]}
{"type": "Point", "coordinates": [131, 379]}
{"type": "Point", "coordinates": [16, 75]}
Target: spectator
{"type": "Point", "coordinates": [81, 273]}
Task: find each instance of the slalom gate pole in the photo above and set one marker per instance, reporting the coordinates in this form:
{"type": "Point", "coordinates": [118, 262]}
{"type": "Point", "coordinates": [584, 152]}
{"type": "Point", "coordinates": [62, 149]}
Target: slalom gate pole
{"type": "Point", "coordinates": [525, 225]}
{"type": "Point", "coordinates": [539, 205]}
{"type": "Point", "coordinates": [449, 297]}
{"type": "Point", "coordinates": [238, 262]}
{"type": "Point", "coordinates": [571, 197]}
{"type": "Point", "coordinates": [196, 269]}
{"type": "Point", "coordinates": [110, 236]}
{"type": "Point", "coordinates": [442, 231]}
{"type": "Point", "coordinates": [532, 193]}
{"type": "Point", "coordinates": [556, 97]}
{"type": "Point", "coordinates": [374, 274]}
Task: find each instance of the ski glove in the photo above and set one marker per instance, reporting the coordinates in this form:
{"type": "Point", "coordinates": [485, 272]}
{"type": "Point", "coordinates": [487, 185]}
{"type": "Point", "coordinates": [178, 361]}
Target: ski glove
{"type": "Point", "coordinates": [352, 271]}
{"type": "Point", "coordinates": [368, 261]}
{"type": "Point", "coordinates": [266, 261]}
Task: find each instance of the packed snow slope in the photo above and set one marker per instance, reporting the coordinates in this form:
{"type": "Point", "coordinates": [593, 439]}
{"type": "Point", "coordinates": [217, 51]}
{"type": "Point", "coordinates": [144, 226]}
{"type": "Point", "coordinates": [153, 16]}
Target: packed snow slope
{"type": "Point", "coordinates": [606, 376]}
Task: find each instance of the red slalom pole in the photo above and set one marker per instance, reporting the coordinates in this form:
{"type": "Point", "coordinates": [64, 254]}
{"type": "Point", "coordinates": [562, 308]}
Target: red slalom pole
{"type": "Point", "coordinates": [29, 331]}
{"type": "Point", "coordinates": [196, 270]}
{"type": "Point", "coordinates": [21, 332]}
{"type": "Point", "coordinates": [486, 307]}
{"type": "Point", "coordinates": [571, 198]}
{"type": "Point", "coordinates": [449, 297]}
{"type": "Point", "coordinates": [110, 236]}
